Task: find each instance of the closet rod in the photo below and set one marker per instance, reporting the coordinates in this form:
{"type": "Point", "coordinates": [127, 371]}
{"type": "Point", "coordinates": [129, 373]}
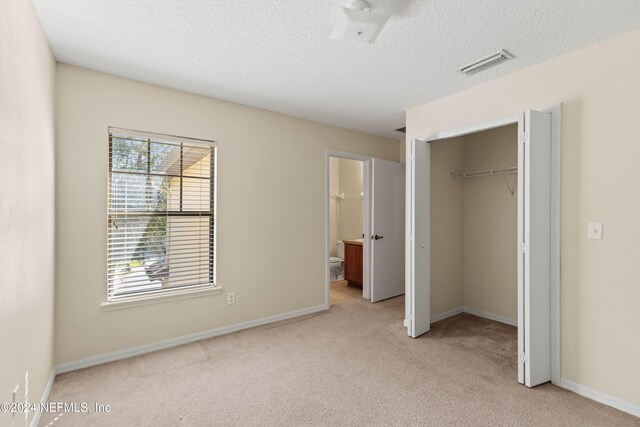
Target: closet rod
{"type": "Point", "coordinates": [487, 172]}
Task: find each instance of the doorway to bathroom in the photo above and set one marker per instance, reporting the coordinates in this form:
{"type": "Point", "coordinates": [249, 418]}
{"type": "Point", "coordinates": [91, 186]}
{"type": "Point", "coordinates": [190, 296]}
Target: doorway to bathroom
{"type": "Point", "coordinates": [346, 229]}
{"type": "Point", "coordinates": [365, 228]}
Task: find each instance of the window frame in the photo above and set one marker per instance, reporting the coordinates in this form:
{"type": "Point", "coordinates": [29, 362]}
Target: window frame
{"type": "Point", "coordinates": [166, 292]}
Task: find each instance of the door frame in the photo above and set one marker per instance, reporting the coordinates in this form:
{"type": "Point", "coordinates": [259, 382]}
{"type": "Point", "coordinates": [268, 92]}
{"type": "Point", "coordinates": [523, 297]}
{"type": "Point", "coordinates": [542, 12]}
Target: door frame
{"type": "Point", "coordinates": [366, 220]}
{"type": "Point", "coordinates": [555, 309]}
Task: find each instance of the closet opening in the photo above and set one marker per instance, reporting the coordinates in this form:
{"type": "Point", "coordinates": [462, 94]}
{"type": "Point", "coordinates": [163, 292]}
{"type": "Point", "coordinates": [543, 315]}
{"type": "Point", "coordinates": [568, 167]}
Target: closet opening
{"type": "Point", "coordinates": [474, 241]}
{"type": "Point", "coordinates": [479, 244]}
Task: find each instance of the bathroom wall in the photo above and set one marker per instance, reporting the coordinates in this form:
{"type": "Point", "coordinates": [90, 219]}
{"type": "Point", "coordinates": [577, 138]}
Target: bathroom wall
{"type": "Point", "coordinates": [350, 221]}
{"type": "Point", "coordinates": [334, 204]}
{"type": "Point", "coordinates": [345, 222]}
{"type": "Point", "coordinates": [490, 263]}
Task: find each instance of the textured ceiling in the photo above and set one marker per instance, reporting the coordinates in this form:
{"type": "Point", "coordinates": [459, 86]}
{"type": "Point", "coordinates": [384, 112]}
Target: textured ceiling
{"type": "Point", "coordinates": [277, 55]}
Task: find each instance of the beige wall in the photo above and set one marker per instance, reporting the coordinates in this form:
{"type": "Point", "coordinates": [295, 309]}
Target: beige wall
{"type": "Point", "coordinates": [351, 207]}
{"type": "Point", "coordinates": [600, 283]}
{"type": "Point", "coordinates": [490, 264]}
{"type": "Point", "coordinates": [27, 75]}
{"type": "Point", "coordinates": [447, 208]}
{"type": "Point", "coordinates": [270, 216]}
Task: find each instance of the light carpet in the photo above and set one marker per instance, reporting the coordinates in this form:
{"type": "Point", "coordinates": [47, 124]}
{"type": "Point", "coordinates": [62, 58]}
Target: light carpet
{"type": "Point", "coordinates": [352, 365]}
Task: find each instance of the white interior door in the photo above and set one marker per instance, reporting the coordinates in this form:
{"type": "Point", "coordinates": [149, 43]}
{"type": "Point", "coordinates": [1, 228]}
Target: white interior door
{"type": "Point", "coordinates": [534, 237]}
{"type": "Point", "coordinates": [418, 298]}
{"type": "Point", "coordinates": [387, 229]}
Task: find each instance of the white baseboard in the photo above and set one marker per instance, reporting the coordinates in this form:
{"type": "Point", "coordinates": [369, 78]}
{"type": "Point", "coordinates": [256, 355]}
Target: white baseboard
{"type": "Point", "coordinates": [490, 316]}
{"type": "Point", "coordinates": [572, 386]}
{"type": "Point", "coordinates": [601, 397]}
{"type": "Point", "coordinates": [447, 314]}
{"type": "Point", "coordinates": [475, 312]}
{"type": "Point", "coordinates": [174, 342]}
{"type": "Point", "coordinates": [45, 398]}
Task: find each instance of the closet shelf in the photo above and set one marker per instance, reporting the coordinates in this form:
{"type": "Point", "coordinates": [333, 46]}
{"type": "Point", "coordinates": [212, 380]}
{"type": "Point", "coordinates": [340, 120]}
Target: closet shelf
{"type": "Point", "coordinates": [488, 172]}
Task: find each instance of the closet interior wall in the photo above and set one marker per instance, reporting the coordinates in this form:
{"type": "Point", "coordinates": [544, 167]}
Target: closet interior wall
{"type": "Point", "coordinates": [474, 225]}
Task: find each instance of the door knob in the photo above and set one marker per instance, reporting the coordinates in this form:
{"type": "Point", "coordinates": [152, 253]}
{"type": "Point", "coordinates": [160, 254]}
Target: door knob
{"type": "Point", "coordinates": [378, 237]}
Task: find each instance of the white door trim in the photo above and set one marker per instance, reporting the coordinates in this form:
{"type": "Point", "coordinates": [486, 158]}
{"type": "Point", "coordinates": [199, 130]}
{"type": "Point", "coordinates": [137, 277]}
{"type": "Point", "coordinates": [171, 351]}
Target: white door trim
{"type": "Point", "coordinates": [478, 127]}
{"type": "Point", "coordinates": [417, 242]}
{"type": "Point", "coordinates": [366, 223]}
{"type": "Point", "coordinates": [409, 218]}
{"type": "Point", "coordinates": [556, 168]}
{"type": "Point", "coordinates": [556, 131]}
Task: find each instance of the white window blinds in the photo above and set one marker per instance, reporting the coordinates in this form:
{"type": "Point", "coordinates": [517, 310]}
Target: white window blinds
{"type": "Point", "coordinates": [161, 224]}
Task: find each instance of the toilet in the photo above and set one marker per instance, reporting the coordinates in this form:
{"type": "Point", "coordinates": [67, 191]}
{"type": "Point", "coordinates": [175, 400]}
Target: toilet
{"type": "Point", "coordinates": [336, 263]}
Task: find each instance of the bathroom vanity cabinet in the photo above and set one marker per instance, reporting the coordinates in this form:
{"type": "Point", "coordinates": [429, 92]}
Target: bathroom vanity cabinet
{"type": "Point", "coordinates": [353, 263]}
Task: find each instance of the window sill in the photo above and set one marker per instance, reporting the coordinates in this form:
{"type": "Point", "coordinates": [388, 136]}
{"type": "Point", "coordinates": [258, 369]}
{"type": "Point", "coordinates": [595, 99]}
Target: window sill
{"type": "Point", "coordinates": [176, 295]}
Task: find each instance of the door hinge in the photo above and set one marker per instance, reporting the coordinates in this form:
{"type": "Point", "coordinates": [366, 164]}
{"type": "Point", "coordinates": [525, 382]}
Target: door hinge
{"type": "Point", "coordinates": [524, 248]}
{"type": "Point", "coordinates": [524, 358]}
{"type": "Point", "coordinates": [523, 137]}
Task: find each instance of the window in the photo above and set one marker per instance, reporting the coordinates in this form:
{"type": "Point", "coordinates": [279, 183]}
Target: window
{"type": "Point", "coordinates": [160, 218]}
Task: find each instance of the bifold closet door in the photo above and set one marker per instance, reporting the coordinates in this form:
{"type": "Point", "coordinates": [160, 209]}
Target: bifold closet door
{"type": "Point", "coordinates": [387, 229]}
{"type": "Point", "coordinates": [418, 291]}
{"type": "Point", "coordinates": [534, 244]}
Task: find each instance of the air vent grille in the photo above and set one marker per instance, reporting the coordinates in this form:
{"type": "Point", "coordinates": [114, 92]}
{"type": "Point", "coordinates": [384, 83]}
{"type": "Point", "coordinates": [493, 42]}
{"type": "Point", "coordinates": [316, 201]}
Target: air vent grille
{"type": "Point", "coordinates": [486, 62]}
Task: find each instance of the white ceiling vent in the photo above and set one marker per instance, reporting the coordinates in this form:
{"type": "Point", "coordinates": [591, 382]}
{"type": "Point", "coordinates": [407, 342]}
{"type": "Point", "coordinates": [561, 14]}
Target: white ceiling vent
{"type": "Point", "coordinates": [486, 62]}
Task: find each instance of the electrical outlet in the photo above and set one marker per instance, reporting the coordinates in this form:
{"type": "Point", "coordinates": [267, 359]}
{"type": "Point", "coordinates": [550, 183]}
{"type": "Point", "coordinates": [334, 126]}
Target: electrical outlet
{"type": "Point", "coordinates": [231, 298]}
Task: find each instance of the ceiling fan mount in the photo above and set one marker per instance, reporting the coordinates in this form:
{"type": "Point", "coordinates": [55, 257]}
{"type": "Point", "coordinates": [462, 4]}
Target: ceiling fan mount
{"type": "Point", "coordinates": [357, 22]}
{"type": "Point", "coordinates": [362, 5]}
